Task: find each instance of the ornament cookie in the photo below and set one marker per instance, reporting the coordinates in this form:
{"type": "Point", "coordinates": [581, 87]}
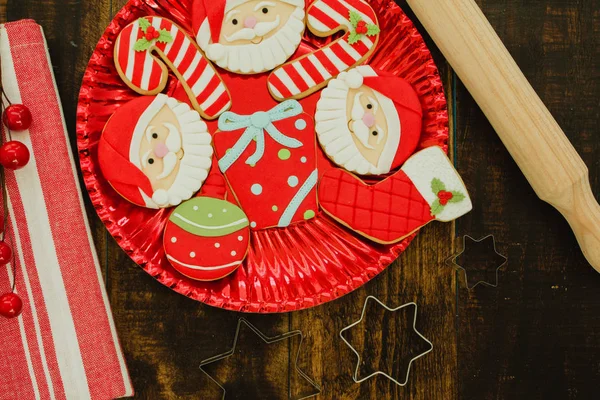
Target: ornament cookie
{"type": "Point", "coordinates": [427, 188]}
{"type": "Point", "coordinates": [248, 36]}
{"type": "Point", "coordinates": [147, 74]}
{"type": "Point", "coordinates": [206, 238]}
{"type": "Point", "coordinates": [368, 122]}
{"type": "Point", "coordinates": [307, 74]}
{"type": "Point", "coordinates": [155, 151]}
{"type": "Point", "coordinates": [269, 160]}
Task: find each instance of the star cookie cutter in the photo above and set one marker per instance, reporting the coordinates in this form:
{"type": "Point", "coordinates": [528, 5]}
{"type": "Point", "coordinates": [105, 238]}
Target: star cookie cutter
{"type": "Point", "coordinates": [414, 327]}
{"type": "Point", "coordinates": [464, 270]}
{"type": "Point", "coordinates": [267, 340]}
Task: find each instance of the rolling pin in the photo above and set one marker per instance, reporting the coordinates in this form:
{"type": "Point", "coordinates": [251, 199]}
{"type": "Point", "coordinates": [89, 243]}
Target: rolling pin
{"type": "Point", "coordinates": [530, 133]}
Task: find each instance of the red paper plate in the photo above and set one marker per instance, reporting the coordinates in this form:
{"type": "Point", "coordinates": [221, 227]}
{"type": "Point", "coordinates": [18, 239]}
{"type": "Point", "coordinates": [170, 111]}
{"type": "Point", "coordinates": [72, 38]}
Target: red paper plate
{"type": "Point", "coordinates": [286, 268]}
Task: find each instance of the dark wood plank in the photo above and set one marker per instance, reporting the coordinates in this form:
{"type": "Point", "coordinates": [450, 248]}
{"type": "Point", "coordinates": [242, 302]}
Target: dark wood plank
{"type": "Point", "coordinates": [536, 336]}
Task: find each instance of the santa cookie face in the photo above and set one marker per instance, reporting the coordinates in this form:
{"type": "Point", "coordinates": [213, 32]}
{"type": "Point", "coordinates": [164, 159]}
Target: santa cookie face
{"type": "Point", "coordinates": [155, 151]}
{"type": "Point", "coordinates": [368, 122]}
{"type": "Point", "coordinates": [249, 36]}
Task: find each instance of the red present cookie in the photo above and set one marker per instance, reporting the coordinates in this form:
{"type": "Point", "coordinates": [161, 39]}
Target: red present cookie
{"type": "Point", "coordinates": [206, 238]}
{"type": "Point", "coordinates": [269, 161]}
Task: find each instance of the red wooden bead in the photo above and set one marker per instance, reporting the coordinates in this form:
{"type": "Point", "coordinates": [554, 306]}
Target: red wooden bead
{"type": "Point", "coordinates": [17, 117]}
{"type": "Point", "coordinates": [14, 155]}
{"type": "Point", "coordinates": [5, 253]}
{"type": "Point", "coordinates": [10, 305]}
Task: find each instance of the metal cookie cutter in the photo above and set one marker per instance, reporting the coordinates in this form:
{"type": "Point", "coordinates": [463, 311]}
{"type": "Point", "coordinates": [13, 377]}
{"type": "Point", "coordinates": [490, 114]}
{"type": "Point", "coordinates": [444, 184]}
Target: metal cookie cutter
{"type": "Point", "coordinates": [355, 375]}
{"type": "Point", "coordinates": [267, 340]}
{"type": "Point", "coordinates": [501, 260]}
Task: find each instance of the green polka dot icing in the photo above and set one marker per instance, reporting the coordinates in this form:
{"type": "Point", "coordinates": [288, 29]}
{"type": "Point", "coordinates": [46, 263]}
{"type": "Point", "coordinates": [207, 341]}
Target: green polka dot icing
{"type": "Point", "coordinates": [284, 154]}
{"type": "Point", "coordinates": [274, 208]}
{"type": "Point", "coordinates": [209, 217]}
{"type": "Point", "coordinates": [308, 214]}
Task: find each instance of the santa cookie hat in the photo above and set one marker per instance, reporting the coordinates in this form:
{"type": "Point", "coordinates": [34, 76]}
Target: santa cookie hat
{"type": "Point", "coordinates": [213, 12]}
{"type": "Point", "coordinates": [119, 146]}
{"type": "Point", "coordinates": [401, 107]}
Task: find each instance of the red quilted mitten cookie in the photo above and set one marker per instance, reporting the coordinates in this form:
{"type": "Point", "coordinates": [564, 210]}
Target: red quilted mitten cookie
{"type": "Point", "coordinates": [269, 160]}
{"type": "Point", "coordinates": [426, 188]}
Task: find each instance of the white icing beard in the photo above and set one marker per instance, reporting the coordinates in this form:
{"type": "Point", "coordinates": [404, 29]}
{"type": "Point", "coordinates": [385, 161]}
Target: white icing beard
{"type": "Point", "coordinates": [255, 58]}
{"type": "Point", "coordinates": [196, 161]}
{"type": "Point", "coordinates": [331, 125]}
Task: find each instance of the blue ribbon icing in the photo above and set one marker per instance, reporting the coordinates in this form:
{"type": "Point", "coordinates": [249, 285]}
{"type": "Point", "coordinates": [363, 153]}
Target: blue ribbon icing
{"type": "Point", "coordinates": [256, 125]}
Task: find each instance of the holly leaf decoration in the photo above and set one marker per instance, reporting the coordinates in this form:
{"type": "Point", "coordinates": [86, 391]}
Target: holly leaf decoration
{"type": "Point", "coordinates": [144, 24]}
{"type": "Point", "coordinates": [437, 185]}
{"type": "Point", "coordinates": [436, 208]}
{"type": "Point", "coordinates": [354, 37]}
{"type": "Point", "coordinates": [372, 30]}
{"type": "Point", "coordinates": [142, 45]}
{"type": "Point", "coordinates": [165, 36]}
{"type": "Point", "coordinates": [457, 197]}
{"type": "Point", "coordinates": [354, 18]}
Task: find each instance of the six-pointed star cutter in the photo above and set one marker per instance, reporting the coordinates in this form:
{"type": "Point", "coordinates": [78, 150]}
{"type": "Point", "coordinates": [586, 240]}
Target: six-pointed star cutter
{"type": "Point", "coordinates": [414, 327]}
{"type": "Point", "coordinates": [267, 340]}
{"type": "Point", "coordinates": [464, 270]}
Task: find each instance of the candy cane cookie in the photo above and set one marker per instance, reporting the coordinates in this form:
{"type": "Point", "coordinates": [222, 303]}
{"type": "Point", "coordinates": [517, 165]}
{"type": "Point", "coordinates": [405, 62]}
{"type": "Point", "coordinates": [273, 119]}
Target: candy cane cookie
{"type": "Point", "coordinates": [147, 73]}
{"type": "Point", "coordinates": [307, 74]}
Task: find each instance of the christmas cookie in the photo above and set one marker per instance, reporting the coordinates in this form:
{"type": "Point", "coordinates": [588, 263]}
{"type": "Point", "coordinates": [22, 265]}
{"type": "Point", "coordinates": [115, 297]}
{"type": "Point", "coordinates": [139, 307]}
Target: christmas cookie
{"type": "Point", "coordinates": [368, 122]}
{"type": "Point", "coordinates": [206, 238]}
{"type": "Point", "coordinates": [304, 75]}
{"type": "Point", "coordinates": [144, 47]}
{"type": "Point", "coordinates": [427, 188]}
{"type": "Point", "coordinates": [248, 36]}
{"type": "Point", "coordinates": [269, 160]}
{"type": "Point", "coordinates": [155, 151]}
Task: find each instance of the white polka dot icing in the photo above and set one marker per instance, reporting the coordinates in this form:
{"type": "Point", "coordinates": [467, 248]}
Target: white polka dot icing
{"type": "Point", "coordinates": [300, 124]}
{"type": "Point", "coordinates": [209, 215]}
{"type": "Point", "coordinates": [253, 224]}
{"type": "Point", "coordinates": [217, 245]}
{"type": "Point", "coordinates": [293, 181]}
{"type": "Point", "coordinates": [240, 238]}
{"type": "Point", "coordinates": [192, 254]}
{"type": "Point", "coordinates": [173, 239]}
{"type": "Point", "coordinates": [233, 253]}
{"type": "Point", "coordinates": [195, 208]}
{"type": "Point", "coordinates": [303, 160]}
{"type": "Point", "coordinates": [256, 189]}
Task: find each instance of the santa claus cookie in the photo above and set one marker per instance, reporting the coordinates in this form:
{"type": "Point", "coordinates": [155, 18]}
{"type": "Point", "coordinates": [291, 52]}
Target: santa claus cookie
{"type": "Point", "coordinates": [427, 188]}
{"type": "Point", "coordinates": [367, 121]}
{"type": "Point", "coordinates": [155, 151]}
{"type": "Point", "coordinates": [248, 36]}
{"type": "Point", "coordinates": [206, 238]}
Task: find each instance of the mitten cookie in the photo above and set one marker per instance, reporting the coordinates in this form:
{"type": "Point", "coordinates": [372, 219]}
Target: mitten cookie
{"type": "Point", "coordinates": [426, 188]}
{"type": "Point", "coordinates": [155, 151]}
{"type": "Point", "coordinates": [206, 238]}
{"type": "Point", "coordinates": [367, 121]}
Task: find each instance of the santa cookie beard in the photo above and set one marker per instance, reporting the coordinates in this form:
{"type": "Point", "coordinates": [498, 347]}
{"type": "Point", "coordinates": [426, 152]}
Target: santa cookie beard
{"type": "Point", "coordinates": [155, 151]}
{"type": "Point", "coordinates": [251, 36]}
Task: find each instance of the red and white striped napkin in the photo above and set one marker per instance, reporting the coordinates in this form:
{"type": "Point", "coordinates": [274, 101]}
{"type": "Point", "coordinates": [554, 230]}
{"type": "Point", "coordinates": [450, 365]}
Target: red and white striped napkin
{"type": "Point", "coordinates": [64, 344]}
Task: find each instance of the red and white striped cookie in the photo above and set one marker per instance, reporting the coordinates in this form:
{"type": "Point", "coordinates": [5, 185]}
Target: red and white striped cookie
{"type": "Point", "coordinates": [307, 74]}
{"type": "Point", "coordinates": [147, 73]}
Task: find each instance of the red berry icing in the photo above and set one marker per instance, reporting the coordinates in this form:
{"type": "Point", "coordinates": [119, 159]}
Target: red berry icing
{"type": "Point", "coordinates": [149, 36]}
{"type": "Point", "coordinates": [10, 305]}
{"type": "Point", "coordinates": [14, 155]}
{"type": "Point", "coordinates": [444, 197]}
{"type": "Point", "coordinates": [17, 117]}
{"type": "Point", "coordinates": [156, 34]}
{"type": "Point", "coordinates": [150, 29]}
{"type": "Point", "coordinates": [361, 29]}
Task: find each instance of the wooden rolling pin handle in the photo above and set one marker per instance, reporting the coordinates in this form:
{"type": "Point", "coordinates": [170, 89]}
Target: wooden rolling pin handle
{"type": "Point", "coordinates": [530, 133]}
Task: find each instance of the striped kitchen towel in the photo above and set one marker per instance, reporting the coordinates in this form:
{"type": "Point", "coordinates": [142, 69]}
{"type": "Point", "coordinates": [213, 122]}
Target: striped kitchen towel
{"type": "Point", "coordinates": [64, 344]}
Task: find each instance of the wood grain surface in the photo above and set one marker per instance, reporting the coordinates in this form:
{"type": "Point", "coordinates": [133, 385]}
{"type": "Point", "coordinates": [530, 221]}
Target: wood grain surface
{"type": "Point", "coordinates": [536, 336]}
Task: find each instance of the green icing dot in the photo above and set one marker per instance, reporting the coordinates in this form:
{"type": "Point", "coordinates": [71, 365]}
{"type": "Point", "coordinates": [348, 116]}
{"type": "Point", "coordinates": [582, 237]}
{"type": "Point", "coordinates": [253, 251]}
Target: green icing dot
{"type": "Point", "coordinates": [274, 208]}
{"type": "Point", "coordinates": [308, 214]}
{"type": "Point", "coordinates": [227, 151]}
{"type": "Point", "coordinates": [284, 154]}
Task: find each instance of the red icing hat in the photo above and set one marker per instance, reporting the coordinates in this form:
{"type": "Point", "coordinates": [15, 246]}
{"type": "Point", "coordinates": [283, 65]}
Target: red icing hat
{"type": "Point", "coordinates": [401, 106]}
{"type": "Point", "coordinates": [118, 149]}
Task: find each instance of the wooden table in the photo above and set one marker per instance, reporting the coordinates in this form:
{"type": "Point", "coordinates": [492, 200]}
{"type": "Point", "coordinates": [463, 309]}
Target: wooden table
{"type": "Point", "coordinates": [536, 336]}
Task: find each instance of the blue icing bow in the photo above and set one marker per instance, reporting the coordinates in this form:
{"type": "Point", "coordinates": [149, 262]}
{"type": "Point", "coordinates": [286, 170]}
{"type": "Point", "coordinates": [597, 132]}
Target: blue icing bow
{"type": "Point", "coordinates": [256, 125]}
